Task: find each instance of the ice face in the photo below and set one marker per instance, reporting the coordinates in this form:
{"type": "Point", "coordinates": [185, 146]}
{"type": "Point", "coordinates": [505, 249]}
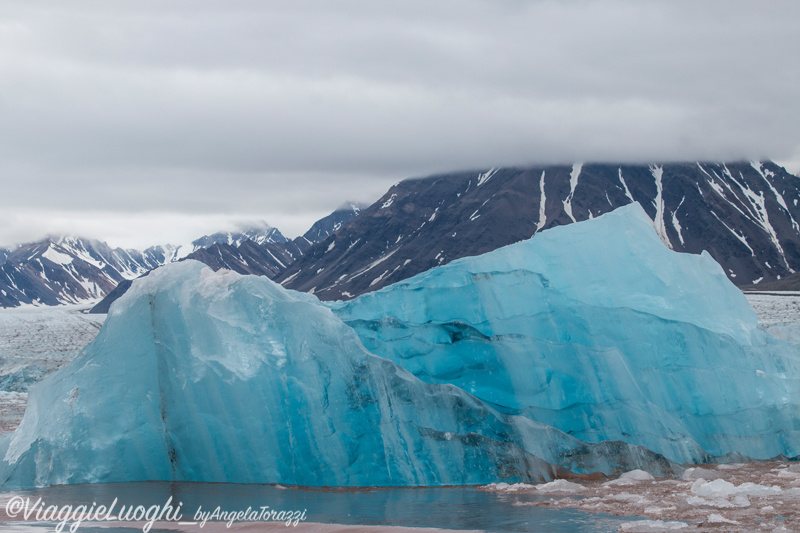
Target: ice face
{"type": "Point", "coordinates": [601, 331]}
{"type": "Point", "coordinates": [202, 376]}
{"type": "Point", "coordinates": [574, 350]}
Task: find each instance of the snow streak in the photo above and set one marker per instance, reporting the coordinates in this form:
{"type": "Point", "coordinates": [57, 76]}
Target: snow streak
{"type": "Point", "coordinates": [542, 200]}
{"type": "Point", "coordinates": [625, 185]}
{"type": "Point", "coordinates": [658, 172]}
{"type": "Point", "coordinates": [573, 182]}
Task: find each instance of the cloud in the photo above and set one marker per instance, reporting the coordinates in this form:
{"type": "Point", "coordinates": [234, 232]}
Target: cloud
{"type": "Point", "coordinates": [283, 110]}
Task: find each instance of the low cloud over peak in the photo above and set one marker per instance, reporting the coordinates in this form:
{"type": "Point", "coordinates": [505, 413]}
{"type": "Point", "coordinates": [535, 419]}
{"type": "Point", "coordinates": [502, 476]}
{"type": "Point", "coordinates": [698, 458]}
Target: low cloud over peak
{"type": "Point", "coordinates": [285, 110]}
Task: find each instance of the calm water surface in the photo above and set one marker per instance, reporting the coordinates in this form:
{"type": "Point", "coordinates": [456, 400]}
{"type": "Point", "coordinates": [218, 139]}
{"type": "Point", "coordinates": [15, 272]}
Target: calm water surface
{"type": "Point", "coordinates": [453, 508]}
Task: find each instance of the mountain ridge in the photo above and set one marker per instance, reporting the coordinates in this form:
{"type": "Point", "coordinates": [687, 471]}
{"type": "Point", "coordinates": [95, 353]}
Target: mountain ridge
{"type": "Point", "coordinates": [268, 258]}
{"type": "Point", "coordinates": [64, 269]}
{"type": "Point", "coordinates": [744, 213]}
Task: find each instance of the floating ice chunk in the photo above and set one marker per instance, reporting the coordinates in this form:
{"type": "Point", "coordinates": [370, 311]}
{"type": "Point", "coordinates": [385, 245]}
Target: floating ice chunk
{"type": "Point", "coordinates": [696, 473]}
{"type": "Point", "coordinates": [560, 485]}
{"type": "Point", "coordinates": [719, 488]}
{"type": "Point", "coordinates": [628, 498]}
{"type": "Point", "coordinates": [637, 475]}
{"type": "Point", "coordinates": [652, 526]}
{"type": "Point", "coordinates": [635, 479]}
{"type": "Point", "coordinates": [729, 466]}
{"type": "Point", "coordinates": [508, 487]}
{"type": "Point", "coordinates": [718, 503]}
{"type": "Point", "coordinates": [758, 490]}
{"type": "Point", "coordinates": [650, 511]}
{"type": "Point", "coordinates": [715, 518]}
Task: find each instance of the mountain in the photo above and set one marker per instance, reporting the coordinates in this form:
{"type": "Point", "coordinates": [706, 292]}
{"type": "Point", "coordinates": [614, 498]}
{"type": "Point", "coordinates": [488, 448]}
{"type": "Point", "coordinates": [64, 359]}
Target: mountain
{"type": "Point", "coordinates": [331, 223]}
{"type": "Point", "coordinates": [63, 270]}
{"type": "Point", "coordinates": [789, 283]}
{"type": "Point", "coordinates": [246, 253]}
{"type": "Point", "coordinates": [103, 305]}
{"type": "Point", "coordinates": [60, 270]}
{"type": "Point", "coordinates": [259, 234]}
{"type": "Point", "coordinates": [271, 255]}
{"type": "Point", "coordinates": [502, 367]}
{"type": "Point", "coordinates": [267, 259]}
{"type": "Point", "coordinates": [743, 213]}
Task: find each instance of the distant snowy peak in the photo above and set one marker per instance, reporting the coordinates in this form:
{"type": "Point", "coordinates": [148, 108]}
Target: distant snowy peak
{"type": "Point", "coordinates": [128, 263]}
{"type": "Point", "coordinates": [330, 224]}
{"type": "Point", "coordinates": [48, 273]}
{"type": "Point", "coordinates": [745, 214]}
{"type": "Point", "coordinates": [258, 234]}
{"type": "Point", "coordinates": [69, 269]}
{"type": "Point", "coordinates": [266, 252]}
{"type": "Point", "coordinates": [355, 207]}
{"type": "Point", "coordinates": [259, 252]}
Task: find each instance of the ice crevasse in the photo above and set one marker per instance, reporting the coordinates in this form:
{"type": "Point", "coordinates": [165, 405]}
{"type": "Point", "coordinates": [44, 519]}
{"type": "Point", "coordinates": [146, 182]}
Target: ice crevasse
{"type": "Point", "coordinates": [590, 347]}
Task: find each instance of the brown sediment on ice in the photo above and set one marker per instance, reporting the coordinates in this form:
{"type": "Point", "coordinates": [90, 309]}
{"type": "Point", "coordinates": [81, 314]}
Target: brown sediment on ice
{"type": "Point", "coordinates": [748, 497]}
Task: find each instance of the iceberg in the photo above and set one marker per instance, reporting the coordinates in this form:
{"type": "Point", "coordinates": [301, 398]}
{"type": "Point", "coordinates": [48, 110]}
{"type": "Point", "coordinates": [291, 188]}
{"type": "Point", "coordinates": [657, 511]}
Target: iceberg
{"type": "Point", "coordinates": [601, 331]}
{"type": "Point", "coordinates": [589, 348]}
{"type": "Point", "coordinates": [219, 377]}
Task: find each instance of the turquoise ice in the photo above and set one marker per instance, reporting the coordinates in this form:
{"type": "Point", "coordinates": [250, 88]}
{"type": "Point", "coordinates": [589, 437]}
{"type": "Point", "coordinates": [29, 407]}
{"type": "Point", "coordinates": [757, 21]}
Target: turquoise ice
{"type": "Point", "coordinates": [599, 330]}
{"type": "Point", "coordinates": [578, 349]}
{"type": "Point", "coordinates": [203, 376]}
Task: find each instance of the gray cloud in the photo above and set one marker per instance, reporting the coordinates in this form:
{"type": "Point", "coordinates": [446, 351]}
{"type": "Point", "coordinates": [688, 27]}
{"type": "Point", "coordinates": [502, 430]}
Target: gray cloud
{"type": "Point", "coordinates": [282, 110]}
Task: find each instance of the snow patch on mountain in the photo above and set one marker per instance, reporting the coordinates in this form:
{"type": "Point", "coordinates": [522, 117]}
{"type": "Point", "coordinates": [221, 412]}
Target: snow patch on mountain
{"type": "Point", "coordinates": [658, 173]}
{"type": "Point", "coordinates": [56, 256]}
{"type": "Point", "coordinates": [573, 184]}
{"type": "Point", "coordinates": [542, 202]}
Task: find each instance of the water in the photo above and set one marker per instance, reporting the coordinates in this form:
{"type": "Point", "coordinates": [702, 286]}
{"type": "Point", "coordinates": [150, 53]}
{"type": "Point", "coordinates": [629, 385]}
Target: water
{"type": "Point", "coordinates": [441, 507]}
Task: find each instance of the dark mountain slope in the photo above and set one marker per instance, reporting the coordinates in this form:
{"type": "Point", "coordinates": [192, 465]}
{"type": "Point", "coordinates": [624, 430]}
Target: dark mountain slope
{"type": "Point", "coordinates": [744, 214]}
{"type": "Point", "coordinates": [789, 283]}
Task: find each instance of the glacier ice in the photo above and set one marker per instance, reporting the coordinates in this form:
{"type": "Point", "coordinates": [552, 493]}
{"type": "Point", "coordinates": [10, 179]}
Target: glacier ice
{"type": "Point", "coordinates": [590, 347]}
{"type": "Point", "coordinates": [203, 376]}
{"type": "Point", "coordinates": [599, 330]}
{"type": "Point", "coordinates": [39, 340]}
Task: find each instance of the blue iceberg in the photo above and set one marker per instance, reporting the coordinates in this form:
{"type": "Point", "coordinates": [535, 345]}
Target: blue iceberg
{"type": "Point", "coordinates": [218, 377]}
{"type": "Point", "coordinates": [588, 348]}
{"type": "Point", "coordinates": [601, 331]}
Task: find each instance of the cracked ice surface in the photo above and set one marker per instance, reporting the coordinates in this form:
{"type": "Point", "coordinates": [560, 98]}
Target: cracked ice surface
{"type": "Point", "coordinates": [734, 498]}
{"type": "Point", "coordinates": [778, 314]}
{"type": "Point", "coordinates": [35, 341]}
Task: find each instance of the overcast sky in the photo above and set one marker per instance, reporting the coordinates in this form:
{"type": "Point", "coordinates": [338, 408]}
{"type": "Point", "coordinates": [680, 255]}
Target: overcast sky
{"type": "Point", "coordinates": [143, 122]}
